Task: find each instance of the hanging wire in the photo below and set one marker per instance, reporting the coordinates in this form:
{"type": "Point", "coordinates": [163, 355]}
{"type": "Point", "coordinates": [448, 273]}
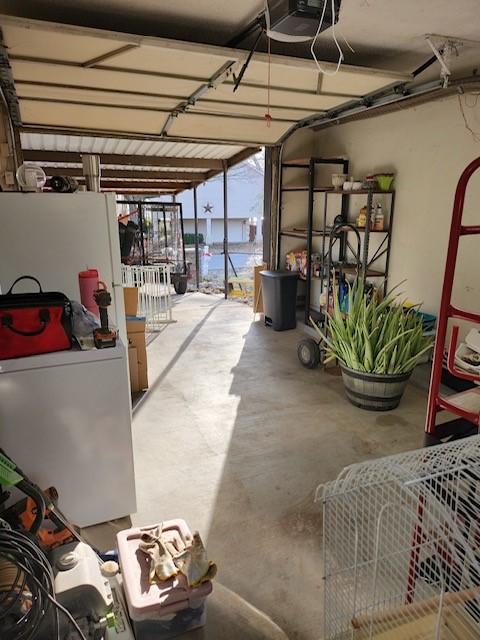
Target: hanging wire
{"type": "Point", "coordinates": [475, 135]}
{"type": "Point", "coordinates": [340, 52]}
{"type": "Point", "coordinates": [342, 35]}
{"type": "Point", "coordinates": [475, 95]}
{"type": "Point", "coordinates": [31, 597]}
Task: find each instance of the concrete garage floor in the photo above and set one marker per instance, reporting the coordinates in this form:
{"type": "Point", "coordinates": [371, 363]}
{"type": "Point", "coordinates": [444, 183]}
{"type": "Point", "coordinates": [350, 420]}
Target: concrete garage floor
{"type": "Point", "coordinates": [235, 436]}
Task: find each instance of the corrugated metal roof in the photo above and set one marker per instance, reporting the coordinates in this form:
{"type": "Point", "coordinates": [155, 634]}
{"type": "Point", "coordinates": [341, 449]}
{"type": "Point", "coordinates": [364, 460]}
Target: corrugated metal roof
{"type": "Point", "coordinates": [63, 152]}
{"type": "Point", "coordinates": [130, 167]}
{"type": "Point", "coordinates": [90, 144]}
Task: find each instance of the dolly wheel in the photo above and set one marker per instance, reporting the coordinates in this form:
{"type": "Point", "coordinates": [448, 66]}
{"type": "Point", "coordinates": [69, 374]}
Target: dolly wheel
{"type": "Point", "coordinates": [308, 353]}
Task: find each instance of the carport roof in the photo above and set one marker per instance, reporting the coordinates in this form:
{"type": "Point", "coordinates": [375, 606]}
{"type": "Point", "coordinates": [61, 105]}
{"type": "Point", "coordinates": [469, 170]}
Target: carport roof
{"type": "Point", "coordinates": [133, 166]}
{"type": "Point", "coordinates": [127, 146]}
{"type": "Point", "coordinates": [79, 80]}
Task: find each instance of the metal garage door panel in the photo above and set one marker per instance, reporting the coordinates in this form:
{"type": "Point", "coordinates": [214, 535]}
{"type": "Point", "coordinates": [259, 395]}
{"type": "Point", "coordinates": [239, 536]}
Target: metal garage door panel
{"type": "Point", "coordinates": [302, 74]}
{"type": "Point", "coordinates": [258, 95]}
{"type": "Point", "coordinates": [360, 83]}
{"type": "Point", "coordinates": [55, 44]}
{"type": "Point", "coordinates": [96, 118]}
{"type": "Point", "coordinates": [94, 97]}
{"type": "Point", "coordinates": [221, 128]}
{"type": "Point", "coordinates": [104, 79]}
{"type": "Point", "coordinates": [166, 73]}
{"type": "Point", "coordinates": [173, 61]}
{"type": "Point", "coordinates": [282, 74]}
{"type": "Point", "coordinates": [250, 110]}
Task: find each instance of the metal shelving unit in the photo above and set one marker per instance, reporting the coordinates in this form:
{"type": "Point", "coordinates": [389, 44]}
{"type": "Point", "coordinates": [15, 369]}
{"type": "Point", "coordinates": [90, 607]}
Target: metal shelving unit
{"type": "Point", "coordinates": [309, 232]}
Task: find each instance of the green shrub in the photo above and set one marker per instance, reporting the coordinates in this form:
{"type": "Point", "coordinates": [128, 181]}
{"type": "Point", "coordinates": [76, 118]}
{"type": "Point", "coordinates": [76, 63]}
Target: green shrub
{"type": "Point", "coordinates": [190, 238]}
{"type": "Point", "coordinates": [374, 336]}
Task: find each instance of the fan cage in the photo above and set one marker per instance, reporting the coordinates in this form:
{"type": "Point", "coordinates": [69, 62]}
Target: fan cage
{"type": "Point", "coordinates": [402, 546]}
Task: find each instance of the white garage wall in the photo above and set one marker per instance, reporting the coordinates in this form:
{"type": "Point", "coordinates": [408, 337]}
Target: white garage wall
{"type": "Point", "coordinates": [427, 147]}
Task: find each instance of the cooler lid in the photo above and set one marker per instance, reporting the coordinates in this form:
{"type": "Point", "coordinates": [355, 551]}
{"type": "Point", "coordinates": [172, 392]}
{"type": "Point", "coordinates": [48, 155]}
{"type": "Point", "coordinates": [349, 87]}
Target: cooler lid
{"type": "Point", "coordinates": [158, 599]}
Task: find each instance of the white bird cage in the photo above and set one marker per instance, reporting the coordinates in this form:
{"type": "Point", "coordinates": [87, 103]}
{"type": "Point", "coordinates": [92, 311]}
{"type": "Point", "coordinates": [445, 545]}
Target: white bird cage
{"type": "Point", "coordinates": [402, 546]}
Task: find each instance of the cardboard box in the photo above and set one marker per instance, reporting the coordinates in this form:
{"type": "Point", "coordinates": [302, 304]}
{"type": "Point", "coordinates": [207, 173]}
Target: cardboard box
{"type": "Point", "coordinates": [136, 338]}
{"type": "Point", "coordinates": [133, 368]}
{"type": "Point", "coordinates": [130, 297]}
{"type": "Point", "coordinates": [135, 325]}
{"type": "Point", "coordinates": [257, 288]}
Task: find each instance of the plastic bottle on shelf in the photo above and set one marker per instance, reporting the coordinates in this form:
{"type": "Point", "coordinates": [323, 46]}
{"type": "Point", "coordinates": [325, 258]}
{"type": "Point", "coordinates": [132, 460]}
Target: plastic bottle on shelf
{"type": "Point", "coordinates": [362, 218]}
{"type": "Point", "coordinates": [379, 218]}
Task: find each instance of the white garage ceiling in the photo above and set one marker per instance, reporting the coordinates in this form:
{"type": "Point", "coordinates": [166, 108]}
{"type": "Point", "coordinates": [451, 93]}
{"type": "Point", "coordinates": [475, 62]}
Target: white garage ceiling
{"type": "Point", "coordinates": [212, 21]}
{"type": "Point", "coordinates": [389, 34]}
{"type": "Point", "coordinates": [76, 79]}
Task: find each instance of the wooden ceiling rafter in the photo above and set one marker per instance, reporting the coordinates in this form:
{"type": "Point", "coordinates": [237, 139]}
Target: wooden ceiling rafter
{"type": "Point", "coordinates": [147, 193]}
{"type": "Point", "coordinates": [135, 174]}
{"type": "Point", "coordinates": [144, 184]}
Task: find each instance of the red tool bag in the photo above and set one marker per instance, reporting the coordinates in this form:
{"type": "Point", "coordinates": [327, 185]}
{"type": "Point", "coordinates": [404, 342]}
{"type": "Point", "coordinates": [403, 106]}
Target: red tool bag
{"type": "Point", "coordinates": [32, 323]}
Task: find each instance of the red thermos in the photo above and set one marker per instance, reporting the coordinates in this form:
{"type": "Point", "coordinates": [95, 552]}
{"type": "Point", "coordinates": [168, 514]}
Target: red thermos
{"type": "Point", "coordinates": [88, 282]}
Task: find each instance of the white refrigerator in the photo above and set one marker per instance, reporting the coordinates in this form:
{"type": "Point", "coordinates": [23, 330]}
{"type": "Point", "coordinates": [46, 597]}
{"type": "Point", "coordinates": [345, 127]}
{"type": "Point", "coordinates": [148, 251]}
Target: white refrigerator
{"type": "Point", "coordinates": [65, 417]}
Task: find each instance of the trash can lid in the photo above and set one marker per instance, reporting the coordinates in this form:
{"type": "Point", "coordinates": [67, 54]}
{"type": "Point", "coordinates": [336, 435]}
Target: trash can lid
{"type": "Point", "coordinates": [279, 274]}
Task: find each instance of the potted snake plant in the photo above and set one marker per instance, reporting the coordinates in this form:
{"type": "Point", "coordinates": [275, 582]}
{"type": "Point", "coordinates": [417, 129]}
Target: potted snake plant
{"type": "Point", "coordinates": [377, 343]}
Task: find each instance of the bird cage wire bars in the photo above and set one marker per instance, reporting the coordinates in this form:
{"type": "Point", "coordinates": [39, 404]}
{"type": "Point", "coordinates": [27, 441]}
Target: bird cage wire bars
{"type": "Point", "coordinates": [402, 546]}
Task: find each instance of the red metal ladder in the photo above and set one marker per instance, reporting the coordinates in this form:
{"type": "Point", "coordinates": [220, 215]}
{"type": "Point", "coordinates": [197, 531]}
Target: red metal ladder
{"type": "Point", "coordinates": [466, 404]}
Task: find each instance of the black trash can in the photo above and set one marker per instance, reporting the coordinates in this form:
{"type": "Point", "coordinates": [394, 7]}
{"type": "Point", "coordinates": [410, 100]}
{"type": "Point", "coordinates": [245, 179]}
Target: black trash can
{"type": "Point", "coordinates": [280, 299]}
